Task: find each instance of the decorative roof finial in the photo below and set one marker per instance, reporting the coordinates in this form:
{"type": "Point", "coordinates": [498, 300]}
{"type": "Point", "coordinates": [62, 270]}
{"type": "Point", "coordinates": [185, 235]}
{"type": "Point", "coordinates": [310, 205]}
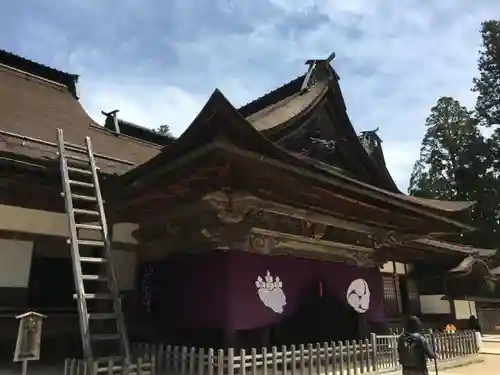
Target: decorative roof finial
{"type": "Point", "coordinates": [370, 140]}
{"type": "Point", "coordinates": [111, 122]}
{"type": "Point", "coordinates": [309, 79]}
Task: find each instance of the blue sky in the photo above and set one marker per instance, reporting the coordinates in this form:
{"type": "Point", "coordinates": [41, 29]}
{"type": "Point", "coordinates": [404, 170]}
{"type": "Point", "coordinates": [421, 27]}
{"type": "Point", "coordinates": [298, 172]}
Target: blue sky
{"type": "Point", "coordinates": [158, 61]}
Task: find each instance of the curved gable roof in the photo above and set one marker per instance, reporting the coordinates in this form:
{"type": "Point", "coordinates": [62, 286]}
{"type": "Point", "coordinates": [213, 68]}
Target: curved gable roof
{"type": "Point", "coordinates": [219, 121]}
{"type": "Point", "coordinates": [35, 106]}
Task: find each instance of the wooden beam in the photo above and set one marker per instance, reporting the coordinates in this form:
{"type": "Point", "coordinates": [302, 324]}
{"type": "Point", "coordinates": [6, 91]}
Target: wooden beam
{"type": "Point", "coordinates": [25, 236]}
{"type": "Point", "coordinates": [312, 244]}
{"type": "Point", "coordinates": [350, 184]}
{"type": "Point", "coordinates": [221, 198]}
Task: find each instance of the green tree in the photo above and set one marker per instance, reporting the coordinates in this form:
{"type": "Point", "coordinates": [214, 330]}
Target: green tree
{"type": "Point", "coordinates": [487, 85]}
{"type": "Point", "coordinates": [165, 130]}
{"type": "Point", "coordinates": [454, 164]}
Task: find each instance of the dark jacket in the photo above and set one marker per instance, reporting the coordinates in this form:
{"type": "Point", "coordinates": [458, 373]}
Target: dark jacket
{"type": "Point", "coordinates": [421, 351]}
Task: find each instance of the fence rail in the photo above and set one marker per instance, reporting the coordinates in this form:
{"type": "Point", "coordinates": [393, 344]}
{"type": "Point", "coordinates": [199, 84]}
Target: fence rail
{"type": "Point", "coordinates": [378, 354]}
{"type": "Point", "coordinates": [109, 366]}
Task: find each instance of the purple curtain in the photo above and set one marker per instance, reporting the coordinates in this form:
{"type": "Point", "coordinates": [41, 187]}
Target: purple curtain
{"type": "Point", "coordinates": [219, 290]}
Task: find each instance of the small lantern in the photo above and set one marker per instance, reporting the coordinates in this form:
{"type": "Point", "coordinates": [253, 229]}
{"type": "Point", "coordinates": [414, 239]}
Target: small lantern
{"type": "Point", "coordinates": [28, 338]}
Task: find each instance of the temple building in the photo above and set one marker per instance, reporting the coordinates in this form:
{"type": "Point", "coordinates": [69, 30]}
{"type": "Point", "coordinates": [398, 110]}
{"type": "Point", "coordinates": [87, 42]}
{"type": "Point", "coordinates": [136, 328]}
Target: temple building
{"type": "Point", "coordinates": [260, 225]}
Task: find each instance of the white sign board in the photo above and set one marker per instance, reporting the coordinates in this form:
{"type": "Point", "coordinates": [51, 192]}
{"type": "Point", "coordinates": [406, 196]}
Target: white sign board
{"type": "Point", "coordinates": [28, 337]}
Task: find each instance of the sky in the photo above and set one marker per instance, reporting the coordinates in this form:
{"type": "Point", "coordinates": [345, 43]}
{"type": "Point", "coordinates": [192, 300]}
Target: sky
{"type": "Point", "coordinates": [159, 61]}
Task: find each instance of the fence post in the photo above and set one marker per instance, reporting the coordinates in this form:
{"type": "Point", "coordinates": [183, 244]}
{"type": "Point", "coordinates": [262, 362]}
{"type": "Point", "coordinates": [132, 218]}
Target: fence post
{"type": "Point", "coordinates": [153, 364]}
{"type": "Point", "coordinates": [201, 361]}
{"type": "Point", "coordinates": [275, 360]}
{"type": "Point", "coordinates": [478, 342]}
{"type": "Point", "coordinates": [166, 361]}
{"type": "Point", "coordinates": [139, 366]}
{"type": "Point", "coordinates": [184, 356]}
{"type": "Point", "coordinates": [192, 357]}
{"type": "Point", "coordinates": [230, 361]}
{"type": "Point", "coordinates": [220, 361]}
{"type": "Point", "coordinates": [355, 353]}
{"type": "Point", "coordinates": [210, 360]}
{"type": "Point", "coordinates": [284, 359]}
{"type": "Point", "coordinates": [254, 361]}
{"type": "Point", "coordinates": [342, 357]}
{"type": "Point", "coordinates": [374, 354]}
{"type": "Point", "coordinates": [310, 358]}
{"type": "Point", "coordinates": [264, 361]}
{"type": "Point", "coordinates": [334, 357]}
{"type": "Point", "coordinates": [243, 362]}
{"type": "Point", "coordinates": [327, 358]}
{"type": "Point", "coordinates": [318, 358]}
{"type": "Point", "coordinates": [302, 359]}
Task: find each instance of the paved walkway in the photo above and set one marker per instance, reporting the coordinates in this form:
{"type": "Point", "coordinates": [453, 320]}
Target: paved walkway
{"type": "Point", "coordinates": [491, 347]}
{"type": "Point", "coordinates": [490, 366]}
{"type": "Point", "coordinates": [491, 338]}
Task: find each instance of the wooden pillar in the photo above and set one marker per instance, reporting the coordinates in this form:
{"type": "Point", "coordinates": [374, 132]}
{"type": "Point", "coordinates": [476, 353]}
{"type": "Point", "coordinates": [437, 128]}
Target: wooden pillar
{"type": "Point", "coordinates": [363, 328]}
{"type": "Point", "coordinates": [266, 337]}
{"type": "Point", "coordinates": [230, 337]}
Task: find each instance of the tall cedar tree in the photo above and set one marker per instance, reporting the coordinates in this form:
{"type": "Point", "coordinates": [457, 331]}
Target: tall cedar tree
{"type": "Point", "coordinates": [487, 87]}
{"type": "Point", "coordinates": [453, 164]}
{"type": "Point", "coordinates": [165, 130]}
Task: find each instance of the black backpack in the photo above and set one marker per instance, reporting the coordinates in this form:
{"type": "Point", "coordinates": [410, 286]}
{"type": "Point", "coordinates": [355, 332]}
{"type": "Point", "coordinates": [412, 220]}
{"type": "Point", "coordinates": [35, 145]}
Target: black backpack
{"type": "Point", "coordinates": [411, 351]}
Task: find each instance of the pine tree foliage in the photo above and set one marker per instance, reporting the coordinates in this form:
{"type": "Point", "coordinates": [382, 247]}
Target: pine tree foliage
{"type": "Point", "coordinates": [165, 130]}
{"type": "Point", "coordinates": [487, 85]}
{"type": "Point", "coordinates": [454, 163]}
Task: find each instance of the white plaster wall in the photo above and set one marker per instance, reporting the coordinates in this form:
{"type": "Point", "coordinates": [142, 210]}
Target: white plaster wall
{"type": "Point", "coordinates": [15, 263]}
{"type": "Point", "coordinates": [433, 304]}
{"type": "Point", "coordinates": [464, 309]}
{"type": "Point", "coordinates": [52, 223]}
{"type": "Point", "coordinates": [125, 263]}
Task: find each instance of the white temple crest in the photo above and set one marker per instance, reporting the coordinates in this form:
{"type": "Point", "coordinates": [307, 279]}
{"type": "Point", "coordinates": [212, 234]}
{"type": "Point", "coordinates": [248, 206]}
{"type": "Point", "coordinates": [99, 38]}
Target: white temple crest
{"type": "Point", "coordinates": [358, 295]}
{"type": "Point", "coordinates": [271, 293]}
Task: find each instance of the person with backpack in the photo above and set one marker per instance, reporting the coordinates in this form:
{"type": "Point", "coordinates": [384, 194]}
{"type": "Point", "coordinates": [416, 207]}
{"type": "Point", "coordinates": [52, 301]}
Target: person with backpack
{"type": "Point", "coordinates": [414, 349]}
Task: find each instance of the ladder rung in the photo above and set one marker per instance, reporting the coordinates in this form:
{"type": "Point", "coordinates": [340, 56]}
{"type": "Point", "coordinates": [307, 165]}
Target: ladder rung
{"type": "Point", "coordinates": [90, 243]}
{"type": "Point", "coordinates": [93, 260]}
{"type": "Point", "coordinates": [105, 336]}
{"type": "Point", "coordinates": [94, 278]}
{"type": "Point", "coordinates": [84, 197]}
{"type": "Point", "coordinates": [85, 212]}
{"type": "Point", "coordinates": [81, 183]}
{"type": "Point", "coordinates": [79, 170]}
{"type": "Point", "coordinates": [102, 316]}
{"type": "Point", "coordinates": [94, 296]}
{"type": "Point", "coordinates": [132, 371]}
{"type": "Point", "coordinates": [88, 226]}
{"type": "Point", "coordinates": [78, 158]}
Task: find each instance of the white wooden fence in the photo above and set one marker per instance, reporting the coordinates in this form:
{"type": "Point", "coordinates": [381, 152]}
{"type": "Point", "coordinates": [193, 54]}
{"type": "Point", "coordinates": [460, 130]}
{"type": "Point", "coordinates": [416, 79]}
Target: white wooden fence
{"type": "Point", "coordinates": [109, 366]}
{"type": "Point", "coordinates": [449, 346]}
{"type": "Point", "coordinates": [378, 354]}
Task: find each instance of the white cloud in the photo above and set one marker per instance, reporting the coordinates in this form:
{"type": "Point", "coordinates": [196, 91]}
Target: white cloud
{"type": "Point", "coordinates": [143, 104]}
{"type": "Point", "coordinates": [395, 58]}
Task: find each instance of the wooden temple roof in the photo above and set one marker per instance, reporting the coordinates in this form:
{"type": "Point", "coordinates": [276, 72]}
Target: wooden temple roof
{"type": "Point", "coordinates": [220, 125]}
{"type": "Point", "coordinates": [36, 100]}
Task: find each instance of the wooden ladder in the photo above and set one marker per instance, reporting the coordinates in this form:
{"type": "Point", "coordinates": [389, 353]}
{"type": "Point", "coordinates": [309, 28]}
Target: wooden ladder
{"type": "Point", "coordinates": [103, 331]}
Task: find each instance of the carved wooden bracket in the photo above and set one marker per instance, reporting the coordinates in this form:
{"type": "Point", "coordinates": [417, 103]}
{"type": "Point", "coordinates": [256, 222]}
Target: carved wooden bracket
{"type": "Point", "coordinates": [261, 243]}
{"type": "Point", "coordinates": [275, 243]}
{"type": "Point", "coordinates": [314, 230]}
{"type": "Point", "coordinates": [385, 239]}
{"type": "Point", "coordinates": [229, 209]}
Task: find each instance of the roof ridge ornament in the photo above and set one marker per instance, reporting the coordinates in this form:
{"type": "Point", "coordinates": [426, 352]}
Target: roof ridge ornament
{"type": "Point", "coordinates": [111, 122]}
{"type": "Point", "coordinates": [370, 140]}
{"type": "Point", "coordinates": [310, 78]}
